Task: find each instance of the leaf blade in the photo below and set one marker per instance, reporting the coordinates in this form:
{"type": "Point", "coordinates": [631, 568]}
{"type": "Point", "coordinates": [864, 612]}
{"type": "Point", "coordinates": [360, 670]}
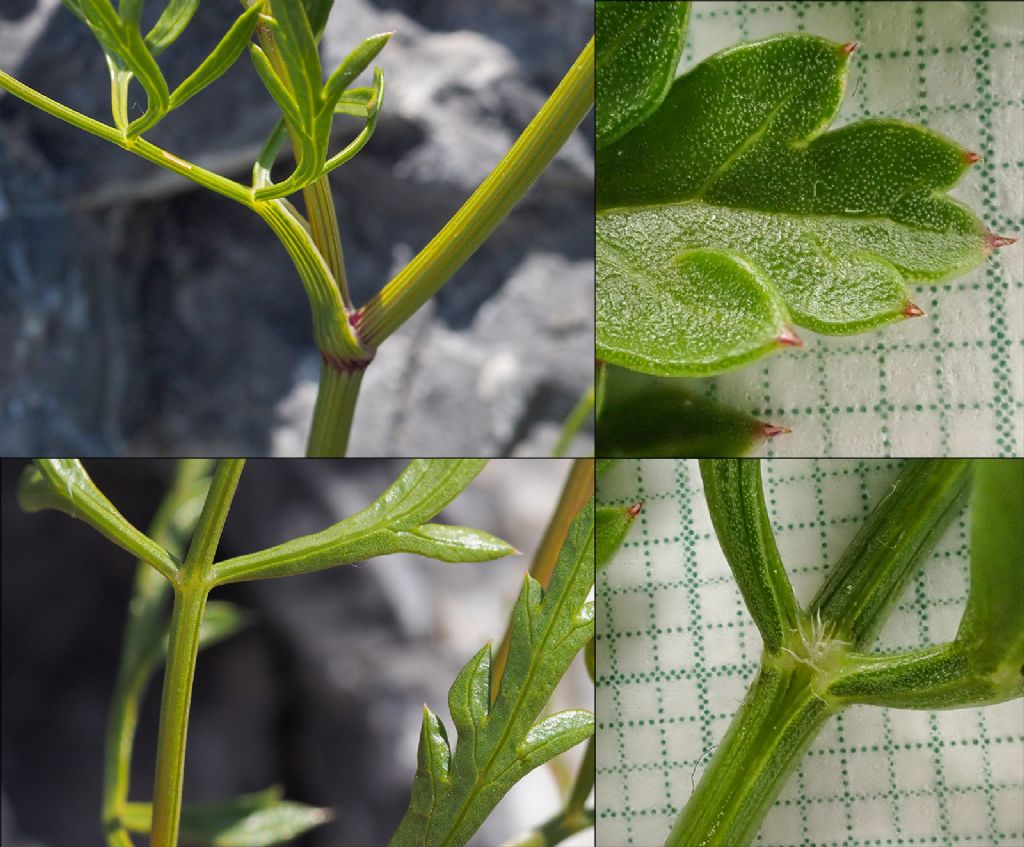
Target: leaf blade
{"type": "Point", "coordinates": [63, 484]}
{"type": "Point", "coordinates": [736, 159]}
{"type": "Point", "coordinates": [393, 523]}
{"type": "Point", "coordinates": [223, 56]}
{"type": "Point", "coordinates": [638, 49]}
{"type": "Point", "coordinates": [499, 744]}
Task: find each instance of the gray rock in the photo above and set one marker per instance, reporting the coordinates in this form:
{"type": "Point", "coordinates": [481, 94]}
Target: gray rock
{"type": "Point", "coordinates": [140, 314]}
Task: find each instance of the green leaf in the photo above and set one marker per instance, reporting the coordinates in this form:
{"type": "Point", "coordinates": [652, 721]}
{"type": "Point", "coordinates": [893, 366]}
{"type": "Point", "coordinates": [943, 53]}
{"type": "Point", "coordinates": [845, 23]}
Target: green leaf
{"type": "Point", "coordinates": [130, 11]}
{"type": "Point", "coordinates": [318, 11]}
{"type": "Point", "coordinates": [729, 212]}
{"type": "Point", "coordinates": [170, 25]}
{"type": "Point", "coordinates": [356, 102]}
{"type": "Point", "coordinates": [735, 498]}
{"type": "Point", "coordinates": [123, 43]}
{"type": "Point", "coordinates": [250, 820]}
{"type": "Point", "coordinates": [224, 55]}
{"type": "Point", "coordinates": [297, 48]}
{"type": "Point", "coordinates": [499, 744]}
{"type": "Point", "coordinates": [373, 107]}
{"type": "Point", "coordinates": [676, 420]}
{"type": "Point", "coordinates": [354, 64]}
{"type": "Point", "coordinates": [612, 524]}
{"type": "Point", "coordinates": [275, 86]}
{"type": "Point", "coordinates": [394, 523]}
{"type": "Point", "coordinates": [454, 543]}
{"type": "Point", "coordinates": [64, 485]}
{"type": "Point", "coordinates": [638, 49]}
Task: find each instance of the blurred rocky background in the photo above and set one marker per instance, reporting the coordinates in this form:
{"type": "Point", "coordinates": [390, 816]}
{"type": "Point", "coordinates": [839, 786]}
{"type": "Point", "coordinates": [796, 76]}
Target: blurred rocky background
{"type": "Point", "coordinates": [321, 694]}
{"type": "Point", "coordinates": [141, 314]}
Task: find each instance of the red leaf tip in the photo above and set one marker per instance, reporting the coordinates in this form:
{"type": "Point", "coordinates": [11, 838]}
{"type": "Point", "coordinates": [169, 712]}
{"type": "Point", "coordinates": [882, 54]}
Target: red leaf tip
{"type": "Point", "coordinates": [848, 47]}
{"type": "Point", "coordinates": [912, 310]}
{"type": "Point", "coordinates": [634, 510]}
{"type": "Point", "coordinates": [770, 430]}
{"type": "Point", "coordinates": [788, 338]}
{"type": "Point", "coordinates": [994, 242]}
{"type": "Point", "coordinates": [971, 157]}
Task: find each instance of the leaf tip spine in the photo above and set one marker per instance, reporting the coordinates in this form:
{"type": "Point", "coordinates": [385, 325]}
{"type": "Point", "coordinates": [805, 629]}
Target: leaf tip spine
{"type": "Point", "coordinates": [788, 338]}
{"type": "Point", "coordinates": [971, 157]}
{"type": "Point", "coordinates": [912, 310]}
{"type": "Point", "coordinates": [635, 509]}
{"type": "Point", "coordinates": [994, 242]}
{"type": "Point", "coordinates": [848, 47]}
{"type": "Point", "coordinates": [771, 430]}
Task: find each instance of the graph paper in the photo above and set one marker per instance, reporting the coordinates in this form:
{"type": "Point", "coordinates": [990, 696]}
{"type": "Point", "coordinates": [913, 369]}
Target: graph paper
{"type": "Point", "coordinates": [950, 383]}
{"type": "Point", "coordinates": [677, 649]}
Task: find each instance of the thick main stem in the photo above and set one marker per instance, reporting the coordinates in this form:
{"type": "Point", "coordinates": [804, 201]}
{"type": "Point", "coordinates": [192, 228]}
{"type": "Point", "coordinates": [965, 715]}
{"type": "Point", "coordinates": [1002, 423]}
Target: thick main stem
{"type": "Point", "coordinates": [335, 407]}
{"type": "Point", "coordinates": [777, 721]}
{"type": "Point", "coordinates": [488, 206]}
{"type": "Point", "coordinates": [182, 648]}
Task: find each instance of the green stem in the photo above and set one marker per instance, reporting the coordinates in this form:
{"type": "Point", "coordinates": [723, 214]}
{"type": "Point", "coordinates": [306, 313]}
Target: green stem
{"type": "Point", "coordinates": [435, 264]}
{"type": "Point", "coordinates": [320, 210]}
{"type": "Point", "coordinates": [776, 723]}
{"type": "Point", "coordinates": [335, 407]}
{"type": "Point", "coordinates": [332, 329]}
{"type": "Point", "coordinates": [139, 146]}
{"type": "Point", "coordinates": [183, 646]}
{"type": "Point", "coordinates": [171, 527]}
{"type": "Point", "coordinates": [575, 420]}
{"type": "Point", "coordinates": [584, 781]}
{"type": "Point", "coordinates": [190, 595]}
{"type": "Point", "coordinates": [892, 543]}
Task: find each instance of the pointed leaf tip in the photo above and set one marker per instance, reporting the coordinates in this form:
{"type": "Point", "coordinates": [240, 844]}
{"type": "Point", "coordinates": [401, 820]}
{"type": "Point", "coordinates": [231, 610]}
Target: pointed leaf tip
{"type": "Point", "coordinates": [789, 338]}
{"type": "Point", "coordinates": [971, 157]}
{"type": "Point", "coordinates": [634, 510]}
{"type": "Point", "coordinates": [994, 242]}
{"type": "Point", "coordinates": [912, 310]}
{"type": "Point", "coordinates": [771, 430]}
{"type": "Point", "coordinates": [848, 47]}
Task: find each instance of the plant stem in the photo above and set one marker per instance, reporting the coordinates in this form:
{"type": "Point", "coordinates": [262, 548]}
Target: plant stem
{"type": "Point", "coordinates": [183, 646]}
{"type": "Point", "coordinates": [573, 818]}
{"type": "Point", "coordinates": [335, 407]}
{"type": "Point", "coordinates": [189, 603]}
{"type": "Point", "coordinates": [575, 420]}
{"type": "Point", "coordinates": [487, 206]}
{"type": "Point", "coordinates": [776, 723]}
{"type": "Point", "coordinates": [577, 490]}
{"type": "Point", "coordinates": [139, 146]}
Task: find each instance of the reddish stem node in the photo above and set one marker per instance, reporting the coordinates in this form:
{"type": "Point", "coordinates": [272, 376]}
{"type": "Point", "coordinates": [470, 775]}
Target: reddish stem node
{"type": "Point", "coordinates": [849, 47]}
{"type": "Point", "coordinates": [344, 365]}
{"type": "Point", "coordinates": [634, 510]}
{"type": "Point", "coordinates": [994, 242]}
{"type": "Point", "coordinates": [788, 338]}
{"type": "Point", "coordinates": [912, 310]}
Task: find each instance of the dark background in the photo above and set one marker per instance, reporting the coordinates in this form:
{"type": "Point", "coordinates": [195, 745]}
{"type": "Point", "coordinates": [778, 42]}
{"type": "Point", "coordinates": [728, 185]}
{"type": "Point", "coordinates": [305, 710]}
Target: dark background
{"type": "Point", "coordinates": [141, 314]}
{"type": "Point", "coordinates": [321, 694]}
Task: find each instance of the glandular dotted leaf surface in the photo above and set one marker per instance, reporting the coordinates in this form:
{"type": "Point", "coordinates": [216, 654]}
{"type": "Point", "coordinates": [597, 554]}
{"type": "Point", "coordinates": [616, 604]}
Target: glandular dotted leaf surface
{"type": "Point", "coordinates": [638, 48]}
{"type": "Point", "coordinates": [823, 229]}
